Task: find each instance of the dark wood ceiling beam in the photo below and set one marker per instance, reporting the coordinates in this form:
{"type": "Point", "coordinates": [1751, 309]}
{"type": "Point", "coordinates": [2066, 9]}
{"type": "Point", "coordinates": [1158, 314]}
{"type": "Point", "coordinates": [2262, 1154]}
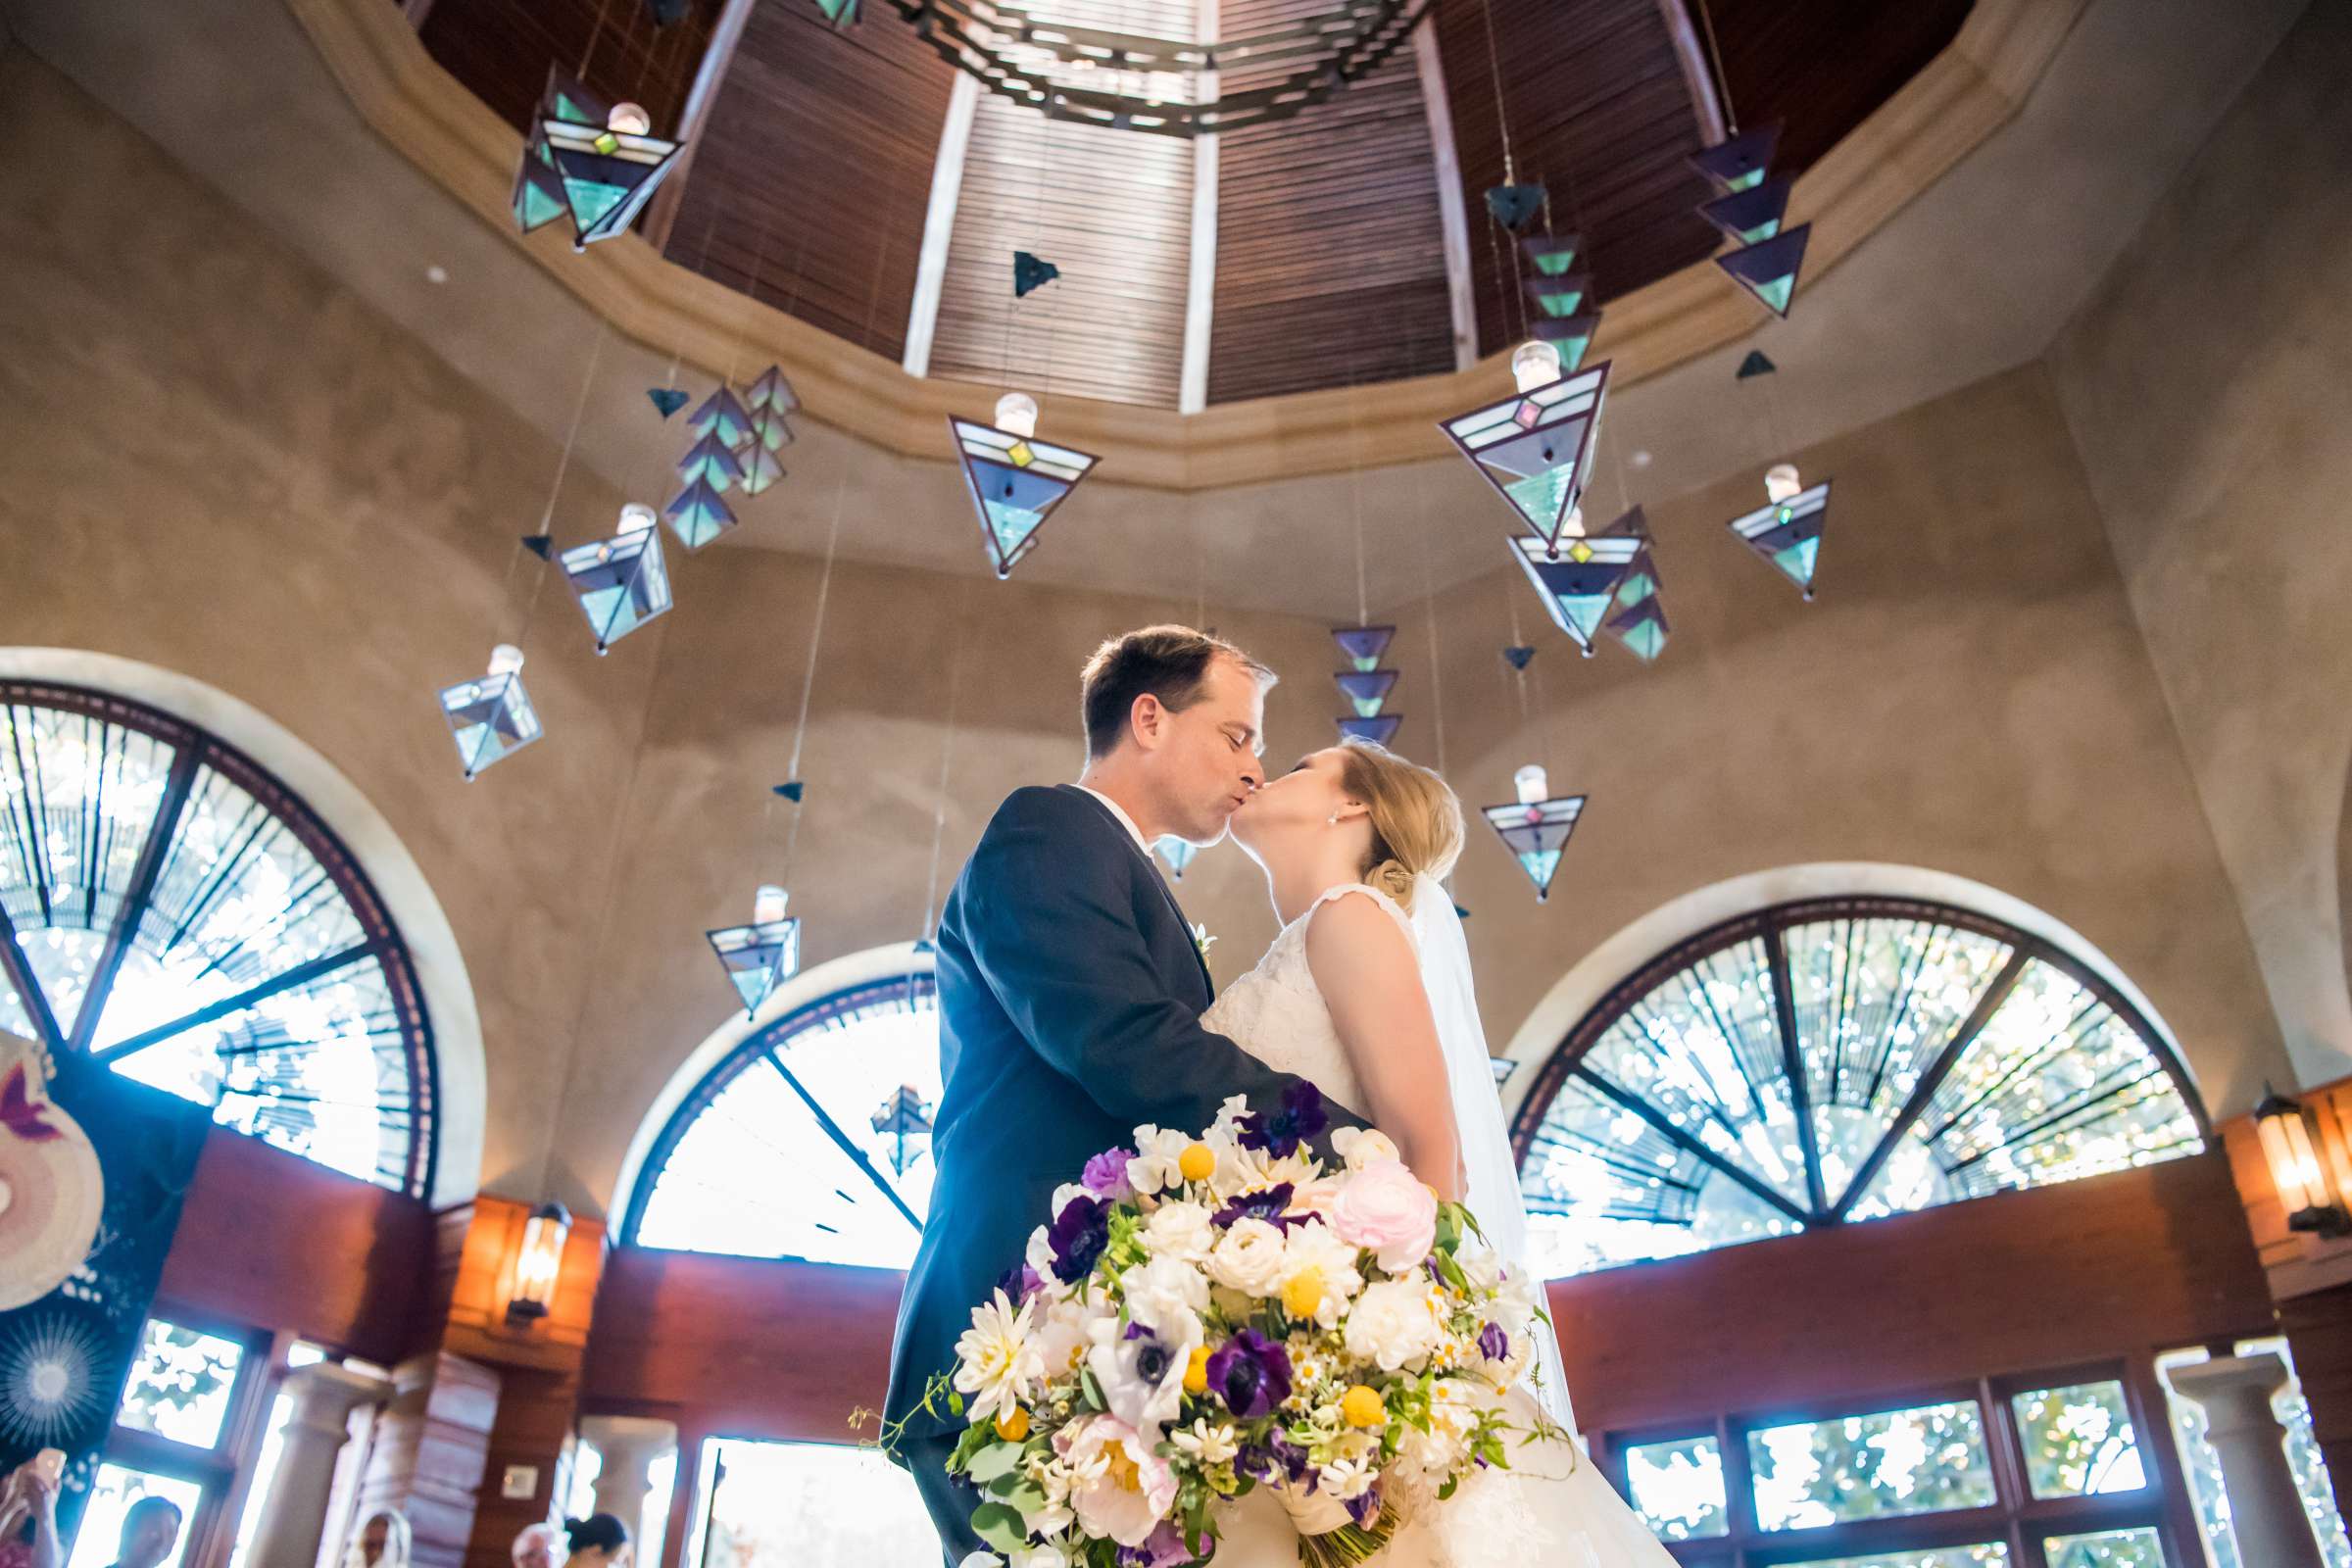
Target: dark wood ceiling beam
{"type": "Point", "coordinates": [1698, 72]}
{"type": "Point", "coordinates": [662, 215]}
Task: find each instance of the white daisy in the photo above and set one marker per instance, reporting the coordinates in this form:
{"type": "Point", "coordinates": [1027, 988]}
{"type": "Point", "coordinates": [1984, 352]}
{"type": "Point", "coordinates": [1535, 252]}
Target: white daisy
{"type": "Point", "coordinates": [995, 1362]}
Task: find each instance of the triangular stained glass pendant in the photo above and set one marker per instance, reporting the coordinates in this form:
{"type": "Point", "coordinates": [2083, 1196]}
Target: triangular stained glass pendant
{"type": "Point", "coordinates": [1638, 617]}
{"type": "Point", "coordinates": [1740, 162]}
{"type": "Point", "coordinates": [1031, 273]}
{"type": "Point", "coordinates": [905, 1115]}
{"type": "Point", "coordinates": [1534, 447]}
{"type": "Point", "coordinates": [1515, 206]}
{"type": "Point", "coordinates": [723, 415]}
{"type": "Point", "coordinates": [1362, 646]}
{"type": "Point", "coordinates": [770, 392]}
{"type": "Point", "coordinates": [1580, 583]}
{"type": "Point", "coordinates": [1571, 336]}
{"type": "Point", "coordinates": [698, 514]}
{"type": "Point", "coordinates": [757, 957]}
{"type": "Point", "coordinates": [491, 717]}
{"type": "Point", "coordinates": [1366, 689]}
{"type": "Point", "coordinates": [1745, 216]}
{"type": "Point", "coordinates": [668, 400]}
{"type": "Point", "coordinates": [1788, 534]}
{"type": "Point", "coordinates": [1562, 296]}
{"type": "Point", "coordinates": [538, 198]}
{"type": "Point", "coordinates": [1519, 656]}
{"type": "Point", "coordinates": [1380, 729]}
{"type": "Point", "coordinates": [1756, 364]}
{"type": "Point", "coordinates": [1769, 270]}
{"type": "Point", "coordinates": [840, 12]}
{"type": "Point", "coordinates": [1550, 254]}
{"type": "Point", "coordinates": [709, 461]}
{"type": "Point", "coordinates": [621, 582]}
{"type": "Point", "coordinates": [1016, 482]}
{"type": "Point", "coordinates": [1536, 832]}
{"type": "Point", "coordinates": [1178, 853]}
{"type": "Point", "coordinates": [760, 469]}
{"type": "Point", "coordinates": [770, 429]}
{"type": "Point", "coordinates": [606, 168]}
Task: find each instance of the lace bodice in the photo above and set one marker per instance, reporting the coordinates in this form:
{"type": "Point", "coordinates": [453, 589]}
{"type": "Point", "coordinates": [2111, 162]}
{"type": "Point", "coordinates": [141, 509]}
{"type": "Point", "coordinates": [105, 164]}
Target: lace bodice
{"type": "Point", "coordinates": [1276, 1011]}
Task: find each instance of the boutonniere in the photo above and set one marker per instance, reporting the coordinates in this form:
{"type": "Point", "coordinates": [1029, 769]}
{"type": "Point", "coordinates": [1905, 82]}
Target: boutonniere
{"type": "Point", "coordinates": [1202, 940]}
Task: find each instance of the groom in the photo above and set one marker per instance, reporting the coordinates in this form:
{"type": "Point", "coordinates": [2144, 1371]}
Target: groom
{"type": "Point", "coordinates": [1070, 995]}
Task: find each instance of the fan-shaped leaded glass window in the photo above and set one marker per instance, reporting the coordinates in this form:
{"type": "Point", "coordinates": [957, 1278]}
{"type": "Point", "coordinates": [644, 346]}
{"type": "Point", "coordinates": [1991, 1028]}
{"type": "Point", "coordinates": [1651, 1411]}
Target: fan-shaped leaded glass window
{"type": "Point", "coordinates": [169, 907]}
{"type": "Point", "coordinates": [810, 1141]}
{"type": "Point", "coordinates": [1835, 1061]}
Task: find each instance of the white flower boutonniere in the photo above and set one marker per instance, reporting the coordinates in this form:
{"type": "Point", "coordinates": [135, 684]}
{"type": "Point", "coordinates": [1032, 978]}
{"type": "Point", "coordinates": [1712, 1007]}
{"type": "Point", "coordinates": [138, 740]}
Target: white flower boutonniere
{"type": "Point", "coordinates": [1202, 940]}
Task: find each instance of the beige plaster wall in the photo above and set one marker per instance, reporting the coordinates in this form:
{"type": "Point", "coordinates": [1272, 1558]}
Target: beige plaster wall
{"type": "Point", "coordinates": [219, 461]}
{"type": "Point", "coordinates": [2205, 387]}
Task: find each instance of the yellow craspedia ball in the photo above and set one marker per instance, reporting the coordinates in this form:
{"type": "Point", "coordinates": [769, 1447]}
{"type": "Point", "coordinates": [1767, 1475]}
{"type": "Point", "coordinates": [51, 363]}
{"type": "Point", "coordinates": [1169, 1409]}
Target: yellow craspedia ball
{"type": "Point", "coordinates": [1196, 1371]}
{"type": "Point", "coordinates": [1197, 1163]}
{"type": "Point", "coordinates": [1013, 1424]}
{"type": "Point", "coordinates": [1302, 1293]}
{"type": "Point", "coordinates": [1360, 1406]}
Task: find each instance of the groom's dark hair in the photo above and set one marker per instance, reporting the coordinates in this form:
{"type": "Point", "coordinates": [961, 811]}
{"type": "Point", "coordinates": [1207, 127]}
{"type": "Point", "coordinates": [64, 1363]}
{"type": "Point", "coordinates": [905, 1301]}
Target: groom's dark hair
{"type": "Point", "coordinates": [1171, 662]}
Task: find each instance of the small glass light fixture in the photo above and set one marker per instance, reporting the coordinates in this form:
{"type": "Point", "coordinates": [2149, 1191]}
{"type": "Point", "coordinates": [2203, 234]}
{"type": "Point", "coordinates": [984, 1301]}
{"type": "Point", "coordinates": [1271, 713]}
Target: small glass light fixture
{"type": "Point", "coordinates": [1178, 853]}
{"type": "Point", "coordinates": [620, 582]}
{"type": "Point", "coordinates": [1016, 481]}
{"type": "Point", "coordinates": [491, 719]}
{"type": "Point", "coordinates": [1535, 826]}
{"type": "Point", "coordinates": [905, 1116]}
{"type": "Point", "coordinates": [2292, 1146]}
{"type": "Point", "coordinates": [1580, 579]}
{"type": "Point", "coordinates": [764, 955]}
{"type": "Point", "coordinates": [539, 1265]}
{"type": "Point", "coordinates": [1787, 530]}
{"type": "Point", "coordinates": [1535, 448]}
{"type": "Point", "coordinates": [597, 162]}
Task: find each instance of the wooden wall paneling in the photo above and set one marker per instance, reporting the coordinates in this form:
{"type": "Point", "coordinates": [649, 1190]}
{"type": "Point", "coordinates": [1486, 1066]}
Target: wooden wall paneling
{"type": "Point", "coordinates": [271, 1240]}
{"type": "Point", "coordinates": [1331, 256]}
{"type": "Point", "coordinates": [2319, 1334]}
{"type": "Point", "coordinates": [430, 1453]}
{"type": "Point", "coordinates": [2154, 1257]}
{"type": "Point", "coordinates": [536, 1410]}
{"type": "Point", "coordinates": [1112, 209]}
{"type": "Point", "coordinates": [814, 172]}
{"type": "Point", "coordinates": [500, 49]}
{"type": "Point", "coordinates": [1822, 68]}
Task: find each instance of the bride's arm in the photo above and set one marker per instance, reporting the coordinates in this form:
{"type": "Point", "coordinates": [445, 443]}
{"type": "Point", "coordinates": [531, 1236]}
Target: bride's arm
{"type": "Point", "coordinates": [1365, 968]}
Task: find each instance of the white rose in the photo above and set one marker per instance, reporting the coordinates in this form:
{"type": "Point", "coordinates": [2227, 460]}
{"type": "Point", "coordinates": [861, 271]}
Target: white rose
{"type": "Point", "coordinates": [1391, 1324]}
{"type": "Point", "coordinates": [1167, 1297]}
{"type": "Point", "coordinates": [1063, 1333]}
{"type": "Point", "coordinates": [1154, 1165]}
{"type": "Point", "coordinates": [1362, 1146]}
{"type": "Point", "coordinates": [1250, 1259]}
{"type": "Point", "coordinates": [1180, 1229]}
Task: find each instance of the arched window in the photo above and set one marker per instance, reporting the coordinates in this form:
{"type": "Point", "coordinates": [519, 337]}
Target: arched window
{"type": "Point", "coordinates": [811, 1140]}
{"type": "Point", "coordinates": [1832, 1061]}
{"type": "Point", "coordinates": [169, 907]}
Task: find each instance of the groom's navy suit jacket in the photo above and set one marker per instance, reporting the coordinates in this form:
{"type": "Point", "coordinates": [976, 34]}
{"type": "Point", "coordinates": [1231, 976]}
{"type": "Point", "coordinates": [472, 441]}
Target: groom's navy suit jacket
{"type": "Point", "coordinates": [1070, 996]}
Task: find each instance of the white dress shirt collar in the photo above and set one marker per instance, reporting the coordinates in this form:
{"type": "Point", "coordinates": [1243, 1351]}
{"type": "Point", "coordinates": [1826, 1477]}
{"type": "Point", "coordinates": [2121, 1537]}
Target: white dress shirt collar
{"type": "Point", "coordinates": [1119, 812]}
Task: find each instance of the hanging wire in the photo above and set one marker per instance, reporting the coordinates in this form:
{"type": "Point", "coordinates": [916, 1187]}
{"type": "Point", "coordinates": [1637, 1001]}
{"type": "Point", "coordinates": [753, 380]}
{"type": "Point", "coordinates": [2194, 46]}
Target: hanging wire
{"type": "Point", "coordinates": [1510, 177]}
{"type": "Point", "coordinates": [1356, 484]}
{"type": "Point", "coordinates": [547, 517]}
{"type": "Point", "coordinates": [594, 33]}
{"type": "Point", "coordinates": [1436, 687]}
{"type": "Point", "coordinates": [1723, 82]}
{"type": "Point", "coordinates": [946, 758]}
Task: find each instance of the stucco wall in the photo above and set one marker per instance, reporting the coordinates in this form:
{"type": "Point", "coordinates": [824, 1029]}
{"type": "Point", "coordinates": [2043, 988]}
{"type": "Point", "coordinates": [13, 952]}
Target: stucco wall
{"type": "Point", "coordinates": [221, 462]}
{"type": "Point", "coordinates": [2205, 386]}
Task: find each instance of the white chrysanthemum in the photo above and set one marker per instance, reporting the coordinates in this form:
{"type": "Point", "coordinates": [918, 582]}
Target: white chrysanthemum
{"type": "Point", "coordinates": [1391, 1324]}
{"type": "Point", "coordinates": [1207, 1442]}
{"type": "Point", "coordinates": [995, 1362]}
{"type": "Point", "coordinates": [1362, 1146]}
{"type": "Point", "coordinates": [1250, 1259]}
{"type": "Point", "coordinates": [1154, 1165]}
{"type": "Point", "coordinates": [1182, 1230]}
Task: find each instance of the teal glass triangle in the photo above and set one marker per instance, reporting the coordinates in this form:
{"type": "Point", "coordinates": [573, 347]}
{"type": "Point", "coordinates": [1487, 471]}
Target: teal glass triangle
{"type": "Point", "coordinates": [1584, 613]}
{"type": "Point", "coordinates": [1013, 525]}
{"type": "Point", "coordinates": [1555, 263]}
{"type": "Point", "coordinates": [1542, 497]}
{"type": "Point", "coordinates": [1762, 231]}
{"type": "Point", "coordinates": [1776, 293]}
{"type": "Point", "coordinates": [1740, 182]}
{"type": "Point", "coordinates": [1647, 640]}
{"type": "Point", "coordinates": [592, 200]}
{"type": "Point", "coordinates": [1572, 352]}
{"type": "Point", "coordinates": [537, 207]}
{"type": "Point", "coordinates": [1798, 559]}
{"type": "Point", "coordinates": [1540, 865]}
{"type": "Point", "coordinates": [1562, 303]}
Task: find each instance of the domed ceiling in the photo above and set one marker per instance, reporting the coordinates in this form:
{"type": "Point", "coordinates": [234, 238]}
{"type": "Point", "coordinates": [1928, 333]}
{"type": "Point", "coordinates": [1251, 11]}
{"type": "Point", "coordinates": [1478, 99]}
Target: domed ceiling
{"type": "Point", "coordinates": [841, 175]}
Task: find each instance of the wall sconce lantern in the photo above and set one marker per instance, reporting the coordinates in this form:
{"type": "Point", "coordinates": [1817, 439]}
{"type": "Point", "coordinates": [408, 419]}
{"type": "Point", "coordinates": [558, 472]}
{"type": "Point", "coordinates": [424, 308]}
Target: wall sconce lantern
{"type": "Point", "coordinates": [539, 1265]}
{"type": "Point", "coordinates": [2292, 1149]}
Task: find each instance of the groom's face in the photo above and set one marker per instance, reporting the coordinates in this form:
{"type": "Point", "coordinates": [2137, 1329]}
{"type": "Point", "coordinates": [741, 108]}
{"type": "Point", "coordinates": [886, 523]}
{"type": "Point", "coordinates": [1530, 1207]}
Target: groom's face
{"type": "Point", "coordinates": [1207, 757]}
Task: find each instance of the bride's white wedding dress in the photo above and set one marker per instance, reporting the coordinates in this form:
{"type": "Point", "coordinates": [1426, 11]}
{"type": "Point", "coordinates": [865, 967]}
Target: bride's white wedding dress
{"type": "Point", "coordinates": [1552, 1506]}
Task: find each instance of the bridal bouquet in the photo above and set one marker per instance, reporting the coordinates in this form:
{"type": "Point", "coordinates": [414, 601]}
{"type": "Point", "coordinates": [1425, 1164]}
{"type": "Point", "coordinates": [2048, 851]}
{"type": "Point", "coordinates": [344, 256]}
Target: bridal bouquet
{"type": "Point", "coordinates": [1206, 1315]}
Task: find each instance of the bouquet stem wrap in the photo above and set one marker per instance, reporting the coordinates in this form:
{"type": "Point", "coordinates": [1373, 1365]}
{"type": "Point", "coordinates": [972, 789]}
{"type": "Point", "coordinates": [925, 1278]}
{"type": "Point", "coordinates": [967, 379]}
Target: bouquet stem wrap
{"type": "Point", "coordinates": [1327, 1536]}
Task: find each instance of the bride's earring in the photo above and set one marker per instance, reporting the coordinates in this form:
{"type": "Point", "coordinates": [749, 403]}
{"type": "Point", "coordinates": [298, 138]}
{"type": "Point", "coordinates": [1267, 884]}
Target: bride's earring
{"type": "Point", "coordinates": [1333, 821]}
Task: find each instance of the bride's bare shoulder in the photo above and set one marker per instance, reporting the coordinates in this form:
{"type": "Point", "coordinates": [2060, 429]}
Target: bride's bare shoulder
{"type": "Point", "coordinates": [1354, 927]}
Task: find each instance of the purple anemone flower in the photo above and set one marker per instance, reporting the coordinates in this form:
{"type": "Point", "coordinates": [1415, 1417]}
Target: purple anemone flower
{"type": "Point", "coordinates": [1078, 1235]}
{"type": "Point", "coordinates": [1267, 1205]}
{"type": "Point", "coordinates": [1165, 1547]}
{"type": "Point", "coordinates": [1279, 1132]}
{"type": "Point", "coordinates": [1363, 1507]}
{"type": "Point", "coordinates": [1020, 1284]}
{"type": "Point", "coordinates": [1493, 1344]}
{"type": "Point", "coordinates": [1250, 1373]}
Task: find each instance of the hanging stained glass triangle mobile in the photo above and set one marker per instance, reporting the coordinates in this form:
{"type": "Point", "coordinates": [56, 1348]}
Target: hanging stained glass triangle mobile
{"type": "Point", "coordinates": [1579, 584]}
{"type": "Point", "coordinates": [620, 582]}
{"type": "Point", "coordinates": [1740, 162]}
{"type": "Point", "coordinates": [711, 462]}
{"type": "Point", "coordinates": [1362, 646]}
{"type": "Point", "coordinates": [1747, 217]}
{"type": "Point", "coordinates": [604, 160]}
{"type": "Point", "coordinates": [1378, 728]}
{"type": "Point", "coordinates": [1572, 335]}
{"type": "Point", "coordinates": [1636, 615]}
{"type": "Point", "coordinates": [1178, 853]}
{"type": "Point", "coordinates": [491, 717]}
{"type": "Point", "coordinates": [1016, 481]}
{"type": "Point", "coordinates": [1768, 269]}
{"type": "Point", "coordinates": [723, 416]}
{"type": "Point", "coordinates": [761, 955]}
{"type": "Point", "coordinates": [698, 514]}
{"type": "Point", "coordinates": [1788, 534]}
{"type": "Point", "coordinates": [905, 1115]}
{"type": "Point", "coordinates": [1535, 446]}
{"type": "Point", "coordinates": [1536, 832]}
{"type": "Point", "coordinates": [1366, 689]}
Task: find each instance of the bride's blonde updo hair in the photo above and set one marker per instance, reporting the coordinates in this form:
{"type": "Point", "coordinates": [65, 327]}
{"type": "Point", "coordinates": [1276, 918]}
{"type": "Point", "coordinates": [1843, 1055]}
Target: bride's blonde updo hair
{"type": "Point", "coordinates": [1416, 820]}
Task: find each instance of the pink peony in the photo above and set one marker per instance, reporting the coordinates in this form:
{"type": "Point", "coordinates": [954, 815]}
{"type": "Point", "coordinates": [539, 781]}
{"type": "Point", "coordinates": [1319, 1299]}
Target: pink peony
{"type": "Point", "coordinates": [1134, 1489]}
{"type": "Point", "coordinates": [1384, 1206]}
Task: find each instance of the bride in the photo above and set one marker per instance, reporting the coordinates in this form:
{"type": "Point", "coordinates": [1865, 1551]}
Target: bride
{"type": "Point", "coordinates": [1367, 993]}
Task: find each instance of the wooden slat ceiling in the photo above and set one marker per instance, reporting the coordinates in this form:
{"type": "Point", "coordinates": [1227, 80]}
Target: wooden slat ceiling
{"type": "Point", "coordinates": [1331, 260]}
{"type": "Point", "coordinates": [1112, 208]}
{"type": "Point", "coordinates": [812, 178]}
{"type": "Point", "coordinates": [502, 49]}
{"type": "Point", "coordinates": [1822, 66]}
